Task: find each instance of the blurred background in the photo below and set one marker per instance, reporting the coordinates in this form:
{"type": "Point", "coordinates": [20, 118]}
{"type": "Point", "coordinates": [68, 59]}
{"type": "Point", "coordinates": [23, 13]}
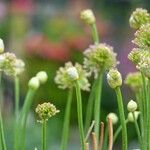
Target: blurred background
{"type": "Point", "coordinates": [46, 34]}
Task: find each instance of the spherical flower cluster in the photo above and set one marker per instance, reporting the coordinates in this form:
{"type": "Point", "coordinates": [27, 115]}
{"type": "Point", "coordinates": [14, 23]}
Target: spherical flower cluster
{"type": "Point", "coordinates": [142, 36]}
{"type": "Point", "coordinates": [114, 78]}
{"type": "Point", "coordinates": [132, 106]}
{"type": "Point", "coordinates": [144, 66]}
{"type": "Point", "coordinates": [87, 16]}
{"type": "Point", "coordinates": [66, 76]}
{"type": "Point", "coordinates": [113, 117]}
{"type": "Point", "coordinates": [99, 58]}
{"type": "Point", "coordinates": [139, 17]}
{"type": "Point", "coordinates": [45, 111]}
{"type": "Point", "coordinates": [134, 81]}
{"type": "Point", "coordinates": [131, 117]}
{"type": "Point", "coordinates": [42, 76]}
{"type": "Point", "coordinates": [11, 65]}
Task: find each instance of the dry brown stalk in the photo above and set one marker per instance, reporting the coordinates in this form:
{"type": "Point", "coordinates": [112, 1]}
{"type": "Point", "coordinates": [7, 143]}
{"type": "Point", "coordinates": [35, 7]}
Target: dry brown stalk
{"type": "Point", "coordinates": [87, 146]}
{"type": "Point", "coordinates": [101, 136]}
{"type": "Point", "coordinates": [94, 141]}
{"type": "Point", "coordinates": [110, 133]}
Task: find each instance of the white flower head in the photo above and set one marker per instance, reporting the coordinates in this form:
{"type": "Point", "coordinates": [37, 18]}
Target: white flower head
{"type": "Point", "coordinates": [34, 83]}
{"type": "Point", "coordinates": [2, 47]}
{"type": "Point", "coordinates": [113, 117]}
{"type": "Point", "coordinates": [72, 73]}
{"type": "Point", "coordinates": [42, 76]}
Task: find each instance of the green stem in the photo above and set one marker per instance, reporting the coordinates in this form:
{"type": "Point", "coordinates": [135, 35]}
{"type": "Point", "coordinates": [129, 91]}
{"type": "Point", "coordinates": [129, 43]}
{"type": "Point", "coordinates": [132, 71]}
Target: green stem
{"type": "Point", "coordinates": [3, 143]}
{"type": "Point", "coordinates": [2, 136]}
{"type": "Point", "coordinates": [145, 112]}
{"type": "Point", "coordinates": [148, 101]}
{"type": "Point", "coordinates": [122, 118]}
{"type": "Point", "coordinates": [65, 131]}
{"type": "Point", "coordinates": [137, 131]}
{"type": "Point", "coordinates": [23, 116]}
{"type": "Point", "coordinates": [118, 131]}
{"type": "Point", "coordinates": [80, 118]}
{"type": "Point", "coordinates": [89, 109]}
{"type": "Point", "coordinates": [97, 106]}
{"type": "Point", "coordinates": [16, 96]}
{"type": "Point", "coordinates": [16, 112]}
{"type": "Point", "coordinates": [44, 135]}
{"type": "Point", "coordinates": [95, 34]}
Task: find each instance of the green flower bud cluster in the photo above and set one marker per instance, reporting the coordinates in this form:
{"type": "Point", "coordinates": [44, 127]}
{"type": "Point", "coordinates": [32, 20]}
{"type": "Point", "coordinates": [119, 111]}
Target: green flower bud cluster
{"type": "Point", "coordinates": [67, 75]}
{"type": "Point", "coordinates": [46, 111]}
{"type": "Point", "coordinates": [134, 81]}
{"type": "Point", "coordinates": [131, 117]}
{"type": "Point", "coordinates": [87, 16]}
{"type": "Point", "coordinates": [40, 78]}
{"type": "Point", "coordinates": [132, 106]}
{"type": "Point", "coordinates": [114, 78]}
{"type": "Point", "coordinates": [138, 18]}
{"type": "Point", "coordinates": [99, 57]}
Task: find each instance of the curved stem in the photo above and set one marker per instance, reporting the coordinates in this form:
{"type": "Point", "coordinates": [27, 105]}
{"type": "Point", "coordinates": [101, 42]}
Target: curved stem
{"type": "Point", "coordinates": [118, 131]}
{"type": "Point", "coordinates": [65, 131]}
{"type": "Point", "coordinates": [80, 118]}
{"type": "Point", "coordinates": [23, 117]}
{"type": "Point", "coordinates": [44, 135]}
{"type": "Point", "coordinates": [97, 105]}
{"type": "Point", "coordinates": [122, 118]}
{"type": "Point", "coordinates": [95, 34]}
{"type": "Point", "coordinates": [137, 131]}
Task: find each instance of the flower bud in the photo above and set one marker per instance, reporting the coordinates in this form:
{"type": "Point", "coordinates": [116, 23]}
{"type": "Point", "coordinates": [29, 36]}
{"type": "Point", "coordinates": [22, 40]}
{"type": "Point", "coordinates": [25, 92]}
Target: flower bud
{"type": "Point", "coordinates": [131, 117]}
{"type": "Point", "coordinates": [72, 73]}
{"type": "Point", "coordinates": [114, 78]}
{"type": "Point", "coordinates": [139, 17]}
{"type": "Point", "coordinates": [42, 76]}
{"type": "Point", "coordinates": [113, 117]}
{"type": "Point", "coordinates": [87, 16]}
{"type": "Point", "coordinates": [132, 106]}
{"type": "Point", "coordinates": [1, 46]}
{"type": "Point", "coordinates": [34, 83]}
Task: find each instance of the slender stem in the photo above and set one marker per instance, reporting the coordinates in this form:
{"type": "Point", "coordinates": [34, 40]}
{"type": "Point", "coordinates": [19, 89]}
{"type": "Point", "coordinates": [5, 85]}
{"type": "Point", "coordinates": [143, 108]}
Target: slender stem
{"type": "Point", "coordinates": [148, 103]}
{"type": "Point", "coordinates": [137, 130]}
{"type": "Point", "coordinates": [23, 116]}
{"type": "Point", "coordinates": [94, 141]}
{"type": "Point", "coordinates": [122, 118]}
{"type": "Point", "coordinates": [44, 135]}
{"type": "Point", "coordinates": [110, 133]}
{"type": "Point", "coordinates": [3, 143]}
{"type": "Point", "coordinates": [65, 131]}
{"type": "Point", "coordinates": [86, 146]}
{"type": "Point", "coordinates": [95, 34]}
{"type": "Point", "coordinates": [79, 112]}
{"type": "Point", "coordinates": [16, 113]}
{"type": "Point", "coordinates": [118, 131]}
{"type": "Point", "coordinates": [89, 131]}
{"type": "Point", "coordinates": [105, 139]}
{"type": "Point", "coordinates": [16, 96]}
{"type": "Point", "coordinates": [97, 105]}
{"type": "Point", "coordinates": [145, 112]}
{"type": "Point", "coordinates": [89, 109]}
{"type": "Point", "coordinates": [101, 136]}
{"type": "Point", "coordinates": [2, 136]}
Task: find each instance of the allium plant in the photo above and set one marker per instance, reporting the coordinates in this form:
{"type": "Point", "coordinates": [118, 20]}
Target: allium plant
{"type": "Point", "coordinates": [99, 58]}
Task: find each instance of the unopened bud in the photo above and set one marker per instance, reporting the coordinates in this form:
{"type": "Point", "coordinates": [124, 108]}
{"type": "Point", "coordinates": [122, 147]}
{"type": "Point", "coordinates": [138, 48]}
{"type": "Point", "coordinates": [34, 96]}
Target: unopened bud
{"type": "Point", "coordinates": [34, 83]}
{"type": "Point", "coordinates": [42, 76]}
{"type": "Point", "coordinates": [132, 106]}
